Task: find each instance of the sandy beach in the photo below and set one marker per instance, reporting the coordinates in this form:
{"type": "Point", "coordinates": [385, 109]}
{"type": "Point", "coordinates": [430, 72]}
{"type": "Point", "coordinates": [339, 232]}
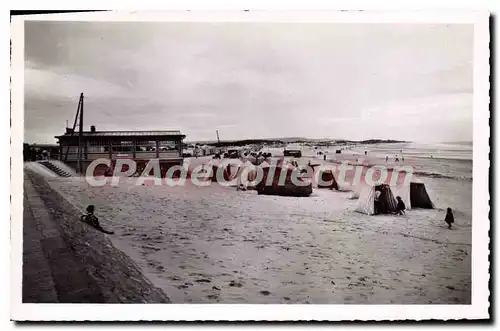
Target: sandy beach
{"type": "Point", "coordinates": [219, 245]}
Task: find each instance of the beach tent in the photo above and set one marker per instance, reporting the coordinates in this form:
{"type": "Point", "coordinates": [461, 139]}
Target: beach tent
{"type": "Point", "coordinates": [250, 172]}
{"type": "Point", "coordinates": [227, 172]}
{"type": "Point", "coordinates": [413, 194]}
{"type": "Point", "coordinates": [366, 201]}
{"type": "Point", "coordinates": [403, 191]}
{"type": "Point", "coordinates": [287, 189]}
{"type": "Point", "coordinates": [419, 197]}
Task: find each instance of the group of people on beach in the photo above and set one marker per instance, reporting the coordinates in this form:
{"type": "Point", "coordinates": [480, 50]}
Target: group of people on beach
{"type": "Point", "coordinates": [396, 158]}
{"type": "Point", "coordinates": [382, 208]}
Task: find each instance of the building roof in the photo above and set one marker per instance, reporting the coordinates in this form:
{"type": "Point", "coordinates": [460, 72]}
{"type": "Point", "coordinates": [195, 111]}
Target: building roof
{"type": "Point", "coordinates": [124, 133]}
{"type": "Point", "coordinates": [35, 145]}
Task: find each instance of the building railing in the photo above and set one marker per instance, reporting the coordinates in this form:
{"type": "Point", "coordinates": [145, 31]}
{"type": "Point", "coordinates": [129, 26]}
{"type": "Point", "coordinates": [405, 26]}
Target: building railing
{"type": "Point", "coordinates": [116, 155]}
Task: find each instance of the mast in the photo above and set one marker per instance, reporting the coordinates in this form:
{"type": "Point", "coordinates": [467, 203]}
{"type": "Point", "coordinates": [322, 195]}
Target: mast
{"type": "Point", "coordinates": [80, 134]}
{"type": "Point", "coordinates": [74, 125]}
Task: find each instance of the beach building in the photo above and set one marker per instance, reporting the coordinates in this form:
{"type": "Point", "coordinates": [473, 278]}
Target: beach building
{"type": "Point", "coordinates": [141, 146]}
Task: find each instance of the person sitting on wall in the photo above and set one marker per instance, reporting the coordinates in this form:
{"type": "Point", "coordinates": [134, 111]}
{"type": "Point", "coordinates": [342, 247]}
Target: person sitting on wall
{"type": "Point", "coordinates": [400, 207]}
{"type": "Point", "coordinates": [92, 220]}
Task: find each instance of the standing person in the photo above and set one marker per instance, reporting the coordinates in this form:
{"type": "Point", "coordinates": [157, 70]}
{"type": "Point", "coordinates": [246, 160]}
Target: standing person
{"type": "Point", "coordinates": [324, 157]}
{"type": "Point", "coordinates": [449, 219]}
{"type": "Point", "coordinates": [400, 207]}
{"type": "Point", "coordinates": [92, 220]}
{"type": "Point", "coordinates": [386, 158]}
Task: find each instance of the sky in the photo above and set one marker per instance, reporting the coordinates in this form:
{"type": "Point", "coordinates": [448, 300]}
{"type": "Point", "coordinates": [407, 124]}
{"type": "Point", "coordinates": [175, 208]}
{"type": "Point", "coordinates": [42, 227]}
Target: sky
{"type": "Point", "coordinates": [409, 82]}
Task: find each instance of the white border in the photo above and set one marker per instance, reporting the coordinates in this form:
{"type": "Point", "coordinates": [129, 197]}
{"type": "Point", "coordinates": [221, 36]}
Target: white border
{"type": "Point", "coordinates": [128, 312]}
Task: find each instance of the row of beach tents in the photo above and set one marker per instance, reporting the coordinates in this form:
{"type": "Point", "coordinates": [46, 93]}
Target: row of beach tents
{"type": "Point", "coordinates": [414, 195]}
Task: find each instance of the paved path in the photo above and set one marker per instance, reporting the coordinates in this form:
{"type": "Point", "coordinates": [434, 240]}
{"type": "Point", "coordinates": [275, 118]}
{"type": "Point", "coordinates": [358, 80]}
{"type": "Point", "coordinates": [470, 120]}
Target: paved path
{"type": "Point", "coordinates": [51, 271]}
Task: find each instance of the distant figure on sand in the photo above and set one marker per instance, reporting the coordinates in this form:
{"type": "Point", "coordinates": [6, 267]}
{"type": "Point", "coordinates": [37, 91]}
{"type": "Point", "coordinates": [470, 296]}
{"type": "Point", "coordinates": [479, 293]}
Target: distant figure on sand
{"type": "Point", "coordinates": [400, 207]}
{"type": "Point", "coordinates": [449, 219]}
{"type": "Point", "coordinates": [92, 220]}
{"type": "Point", "coordinates": [324, 157]}
{"type": "Point", "coordinates": [386, 158]}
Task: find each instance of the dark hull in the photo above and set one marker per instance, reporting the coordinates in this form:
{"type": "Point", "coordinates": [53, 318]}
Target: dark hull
{"type": "Point", "coordinates": [286, 190]}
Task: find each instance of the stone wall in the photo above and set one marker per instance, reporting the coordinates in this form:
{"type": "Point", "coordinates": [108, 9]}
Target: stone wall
{"type": "Point", "coordinates": [112, 275]}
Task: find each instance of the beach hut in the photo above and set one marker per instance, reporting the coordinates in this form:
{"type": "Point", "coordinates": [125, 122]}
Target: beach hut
{"type": "Point", "coordinates": [288, 188]}
{"type": "Point", "coordinates": [419, 197]}
{"type": "Point", "coordinates": [227, 172]}
{"type": "Point", "coordinates": [366, 201]}
{"type": "Point", "coordinates": [248, 171]}
{"type": "Point", "coordinates": [414, 194]}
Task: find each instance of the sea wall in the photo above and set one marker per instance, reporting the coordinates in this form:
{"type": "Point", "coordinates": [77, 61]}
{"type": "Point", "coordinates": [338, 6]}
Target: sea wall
{"type": "Point", "coordinates": [116, 278]}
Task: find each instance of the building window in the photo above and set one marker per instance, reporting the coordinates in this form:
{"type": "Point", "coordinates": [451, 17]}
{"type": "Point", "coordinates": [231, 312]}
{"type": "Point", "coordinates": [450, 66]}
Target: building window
{"type": "Point", "coordinates": [145, 145]}
{"type": "Point", "coordinates": [122, 146]}
{"type": "Point", "coordinates": [168, 145]}
{"type": "Point", "coordinates": [98, 146]}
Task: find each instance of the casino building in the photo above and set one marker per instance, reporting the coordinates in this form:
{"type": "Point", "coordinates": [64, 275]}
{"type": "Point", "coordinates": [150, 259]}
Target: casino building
{"type": "Point", "coordinates": [141, 146]}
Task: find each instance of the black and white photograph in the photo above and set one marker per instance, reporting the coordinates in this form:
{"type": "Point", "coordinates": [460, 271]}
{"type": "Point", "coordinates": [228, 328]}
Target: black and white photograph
{"type": "Point", "coordinates": [278, 161]}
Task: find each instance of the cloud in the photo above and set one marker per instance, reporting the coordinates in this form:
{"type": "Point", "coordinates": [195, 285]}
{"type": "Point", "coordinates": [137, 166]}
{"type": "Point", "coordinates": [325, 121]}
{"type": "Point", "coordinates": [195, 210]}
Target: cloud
{"type": "Point", "coordinates": [249, 79]}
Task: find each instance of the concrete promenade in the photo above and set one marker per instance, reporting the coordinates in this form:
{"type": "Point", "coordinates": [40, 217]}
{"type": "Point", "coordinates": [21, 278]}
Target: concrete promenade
{"type": "Point", "coordinates": [67, 261]}
{"type": "Point", "coordinates": [51, 271]}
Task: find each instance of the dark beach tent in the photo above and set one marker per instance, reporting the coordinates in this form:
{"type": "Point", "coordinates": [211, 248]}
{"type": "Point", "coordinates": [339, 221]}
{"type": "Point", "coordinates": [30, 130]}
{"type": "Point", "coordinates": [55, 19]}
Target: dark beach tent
{"type": "Point", "coordinates": [245, 176]}
{"type": "Point", "coordinates": [414, 194]}
{"type": "Point", "coordinates": [419, 198]}
{"type": "Point", "coordinates": [366, 201]}
{"type": "Point", "coordinates": [226, 173]}
{"type": "Point", "coordinates": [288, 188]}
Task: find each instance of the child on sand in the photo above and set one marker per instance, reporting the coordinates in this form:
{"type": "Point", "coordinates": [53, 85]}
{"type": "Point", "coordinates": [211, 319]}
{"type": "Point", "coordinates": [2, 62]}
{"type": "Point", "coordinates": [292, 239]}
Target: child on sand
{"type": "Point", "coordinates": [92, 220]}
{"type": "Point", "coordinates": [400, 207]}
{"type": "Point", "coordinates": [449, 219]}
